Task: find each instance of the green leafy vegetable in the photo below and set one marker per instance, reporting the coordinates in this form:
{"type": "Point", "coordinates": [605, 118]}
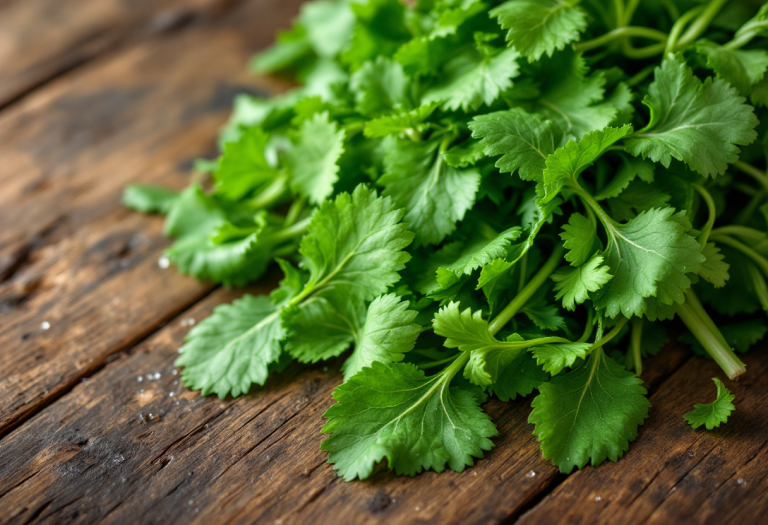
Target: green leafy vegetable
{"type": "Point", "coordinates": [472, 199]}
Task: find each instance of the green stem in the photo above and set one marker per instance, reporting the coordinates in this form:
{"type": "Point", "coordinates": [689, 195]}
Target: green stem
{"type": "Point", "coordinates": [746, 34]}
{"type": "Point", "coordinates": [610, 335]}
{"type": "Point", "coordinates": [701, 23]}
{"type": "Point", "coordinates": [293, 212]}
{"type": "Point", "coordinates": [639, 77]}
{"type": "Point", "coordinates": [761, 288]}
{"type": "Point", "coordinates": [677, 28]}
{"type": "Point", "coordinates": [637, 337]}
{"type": "Point", "coordinates": [270, 194]}
{"type": "Point", "coordinates": [643, 52]}
{"type": "Point", "coordinates": [588, 327]}
{"type": "Point", "coordinates": [753, 172]}
{"type": "Point", "coordinates": [296, 230]}
{"type": "Point", "coordinates": [745, 233]}
{"type": "Point", "coordinates": [629, 12]}
{"type": "Point", "coordinates": [758, 259]}
{"type": "Point", "coordinates": [618, 7]}
{"type": "Point", "coordinates": [619, 33]}
{"type": "Point", "coordinates": [704, 235]}
{"type": "Point", "coordinates": [671, 8]}
{"type": "Point", "coordinates": [704, 330]}
{"type": "Point", "coordinates": [746, 214]}
{"type": "Point", "coordinates": [527, 292]}
{"type": "Point", "coordinates": [523, 271]}
{"type": "Point", "coordinates": [432, 364]}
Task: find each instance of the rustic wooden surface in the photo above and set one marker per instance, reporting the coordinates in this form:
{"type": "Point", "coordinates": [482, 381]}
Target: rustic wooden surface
{"type": "Point", "coordinates": [96, 94]}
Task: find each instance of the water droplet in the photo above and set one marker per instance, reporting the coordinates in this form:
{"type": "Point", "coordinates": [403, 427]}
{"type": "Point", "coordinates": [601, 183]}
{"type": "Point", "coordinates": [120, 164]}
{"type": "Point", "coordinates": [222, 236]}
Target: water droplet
{"type": "Point", "coordinates": [157, 376]}
{"type": "Point", "coordinates": [598, 498]}
{"type": "Point", "coordinates": [118, 459]}
{"type": "Point", "coordinates": [174, 372]}
{"type": "Point", "coordinates": [741, 481]}
{"type": "Point", "coordinates": [152, 416]}
{"type": "Point", "coordinates": [417, 509]}
{"type": "Point", "coordinates": [530, 474]}
{"type": "Point", "coordinates": [171, 394]}
{"type": "Point", "coordinates": [163, 262]}
{"type": "Point", "coordinates": [690, 453]}
{"type": "Point", "coordinates": [175, 383]}
{"type": "Point", "coordinates": [45, 325]}
{"type": "Point", "coordinates": [189, 321]}
{"type": "Point", "coordinates": [325, 369]}
{"type": "Point", "coordinates": [267, 457]}
{"type": "Point", "coordinates": [140, 379]}
{"type": "Point", "coordinates": [191, 502]}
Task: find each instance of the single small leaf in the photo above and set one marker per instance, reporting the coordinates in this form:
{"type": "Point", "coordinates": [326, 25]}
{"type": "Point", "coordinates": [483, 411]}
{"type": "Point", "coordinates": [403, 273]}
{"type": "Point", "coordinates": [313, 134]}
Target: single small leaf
{"type": "Point", "coordinates": [233, 348]}
{"type": "Point", "coordinates": [415, 422]}
{"type": "Point", "coordinates": [387, 334]}
{"type": "Point", "coordinates": [575, 284]}
{"type": "Point", "coordinates": [553, 358]}
{"type": "Point", "coordinates": [712, 415]}
{"type": "Point", "coordinates": [714, 269]}
{"type": "Point", "coordinates": [149, 199]}
{"type": "Point", "coordinates": [579, 237]}
{"type": "Point", "coordinates": [536, 27]}
{"type": "Point", "coordinates": [313, 158]}
{"type": "Point", "coordinates": [591, 413]}
{"type": "Point", "coordinates": [699, 123]}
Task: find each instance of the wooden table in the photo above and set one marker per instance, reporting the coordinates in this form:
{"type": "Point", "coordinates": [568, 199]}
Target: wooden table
{"type": "Point", "coordinates": [95, 94]}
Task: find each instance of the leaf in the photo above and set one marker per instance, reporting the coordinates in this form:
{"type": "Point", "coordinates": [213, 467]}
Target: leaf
{"type": "Point", "coordinates": [195, 218]}
{"type": "Point", "coordinates": [466, 154]}
{"type": "Point", "coordinates": [379, 87]}
{"type": "Point", "coordinates": [648, 257]}
{"type": "Point", "coordinates": [233, 348]}
{"type": "Point", "coordinates": [714, 269]}
{"type": "Point", "coordinates": [414, 421]}
{"type": "Point", "coordinates": [544, 315]}
{"type": "Point", "coordinates": [354, 243]}
{"type": "Point", "coordinates": [540, 26]}
{"type": "Point", "coordinates": [711, 415]}
{"type": "Point", "coordinates": [329, 25]}
{"type": "Point", "coordinates": [741, 68]}
{"type": "Point", "coordinates": [472, 79]}
{"type": "Point", "coordinates": [630, 168]}
{"type": "Point", "coordinates": [435, 195]}
{"type": "Point", "coordinates": [519, 377]}
{"type": "Point", "coordinates": [399, 122]}
{"type": "Point", "coordinates": [386, 336]}
{"type": "Point", "coordinates": [524, 140]}
{"type": "Point", "coordinates": [243, 167]}
{"type": "Point", "coordinates": [149, 199]}
{"type": "Point", "coordinates": [313, 158]}
{"type": "Point", "coordinates": [567, 163]}
{"type": "Point", "coordinates": [553, 358]}
{"type": "Point", "coordinates": [699, 123]}
{"type": "Point", "coordinates": [591, 413]}
{"type": "Point", "coordinates": [322, 327]}
{"type": "Point", "coordinates": [477, 255]}
{"type": "Point", "coordinates": [579, 237]}
{"type": "Point", "coordinates": [575, 284]}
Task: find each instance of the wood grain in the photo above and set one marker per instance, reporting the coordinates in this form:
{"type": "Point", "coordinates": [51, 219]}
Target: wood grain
{"type": "Point", "coordinates": [40, 39]}
{"type": "Point", "coordinates": [674, 474]}
{"type": "Point", "coordinates": [79, 260]}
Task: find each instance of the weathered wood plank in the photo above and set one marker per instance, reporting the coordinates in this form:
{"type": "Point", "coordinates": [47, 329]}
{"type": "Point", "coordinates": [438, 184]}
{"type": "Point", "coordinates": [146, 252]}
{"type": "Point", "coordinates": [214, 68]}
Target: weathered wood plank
{"type": "Point", "coordinates": [256, 459]}
{"type": "Point", "coordinates": [40, 39]}
{"type": "Point", "coordinates": [78, 259]}
{"type": "Point", "coordinates": [674, 474]}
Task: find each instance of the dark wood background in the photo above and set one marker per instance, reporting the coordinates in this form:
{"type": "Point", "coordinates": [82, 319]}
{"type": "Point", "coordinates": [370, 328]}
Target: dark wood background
{"type": "Point", "coordinates": [95, 94]}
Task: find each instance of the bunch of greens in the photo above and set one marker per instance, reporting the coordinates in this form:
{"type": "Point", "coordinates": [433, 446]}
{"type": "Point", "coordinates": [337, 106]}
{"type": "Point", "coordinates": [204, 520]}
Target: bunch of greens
{"type": "Point", "coordinates": [474, 198]}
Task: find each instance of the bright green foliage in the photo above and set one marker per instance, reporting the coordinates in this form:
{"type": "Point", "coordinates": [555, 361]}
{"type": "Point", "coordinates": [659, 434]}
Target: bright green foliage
{"type": "Point", "coordinates": [711, 415]}
{"type": "Point", "coordinates": [312, 160]}
{"type": "Point", "coordinates": [232, 349]}
{"type": "Point", "coordinates": [472, 79]}
{"type": "Point", "coordinates": [387, 334]}
{"type": "Point", "coordinates": [413, 421]}
{"type": "Point", "coordinates": [462, 207]}
{"type": "Point", "coordinates": [149, 199]}
{"type": "Point", "coordinates": [589, 414]}
{"type": "Point", "coordinates": [566, 164]}
{"type": "Point", "coordinates": [540, 26]}
{"type": "Point", "coordinates": [435, 195]}
{"type": "Point", "coordinates": [575, 284]}
{"type": "Point", "coordinates": [524, 140]}
{"type": "Point", "coordinates": [355, 243]}
{"type": "Point", "coordinates": [243, 166]}
{"type": "Point", "coordinates": [699, 123]}
{"type": "Point", "coordinates": [579, 237]}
